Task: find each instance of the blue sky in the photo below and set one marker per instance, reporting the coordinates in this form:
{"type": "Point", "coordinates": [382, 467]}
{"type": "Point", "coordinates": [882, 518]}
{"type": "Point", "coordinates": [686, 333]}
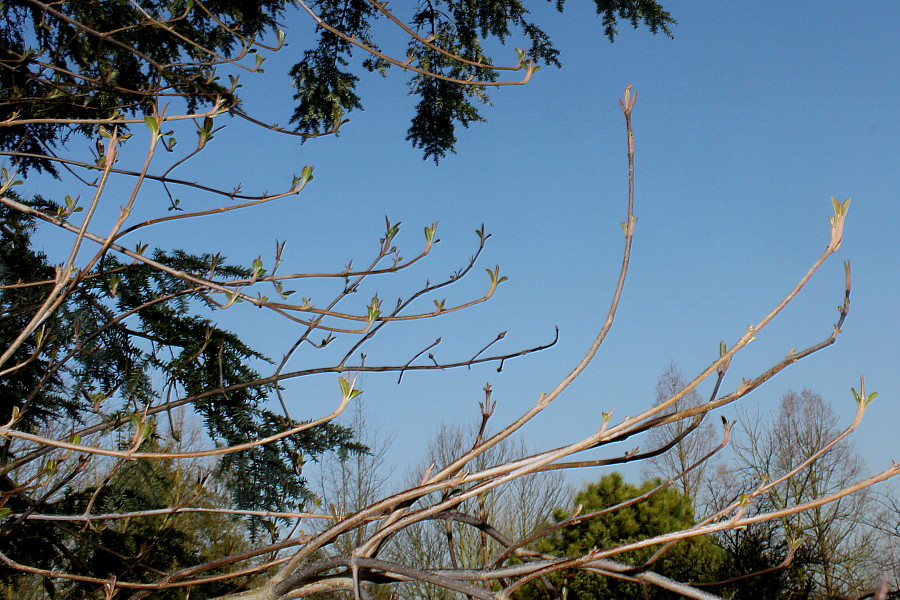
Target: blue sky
{"type": "Point", "coordinates": [746, 124]}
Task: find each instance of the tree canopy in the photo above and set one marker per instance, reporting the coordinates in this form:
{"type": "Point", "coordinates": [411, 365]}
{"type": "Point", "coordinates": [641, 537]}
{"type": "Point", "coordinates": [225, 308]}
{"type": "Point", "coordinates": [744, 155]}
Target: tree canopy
{"type": "Point", "coordinates": [97, 363]}
{"type": "Point", "coordinates": [611, 513]}
{"type": "Point", "coordinates": [83, 61]}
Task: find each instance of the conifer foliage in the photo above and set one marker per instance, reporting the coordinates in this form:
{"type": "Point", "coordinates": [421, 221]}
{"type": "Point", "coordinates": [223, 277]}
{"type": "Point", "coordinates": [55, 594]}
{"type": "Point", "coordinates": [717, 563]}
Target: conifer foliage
{"type": "Point", "coordinates": [89, 60]}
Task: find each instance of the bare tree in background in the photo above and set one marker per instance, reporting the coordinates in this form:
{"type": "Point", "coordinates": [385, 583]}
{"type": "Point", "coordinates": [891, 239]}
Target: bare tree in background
{"type": "Point", "coordinates": [350, 482]}
{"type": "Point", "coordinates": [886, 520]}
{"type": "Point", "coordinates": [473, 532]}
{"type": "Point", "coordinates": [692, 440]}
{"type": "Point", "coordinates": [843, 551]}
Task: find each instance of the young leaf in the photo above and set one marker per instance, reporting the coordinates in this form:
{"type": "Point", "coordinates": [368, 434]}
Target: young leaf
{"type": "Point", "coordinates": [495, 276]}
{"type": "Point", "coordinates": [391, 230]}
{"type": "Point", "coordinates": [374, 309]}
{"type": "Point", "coordinates": [429, 235]}
{"type": "Point", "coordinates": [347, 389]}
{"type": "Point", "coordinates": [152, 125]}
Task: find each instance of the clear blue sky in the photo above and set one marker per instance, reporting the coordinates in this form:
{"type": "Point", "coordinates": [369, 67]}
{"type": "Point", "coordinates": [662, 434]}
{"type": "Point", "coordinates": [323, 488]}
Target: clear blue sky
{"type": "Point", "coordinates": [746, 124]}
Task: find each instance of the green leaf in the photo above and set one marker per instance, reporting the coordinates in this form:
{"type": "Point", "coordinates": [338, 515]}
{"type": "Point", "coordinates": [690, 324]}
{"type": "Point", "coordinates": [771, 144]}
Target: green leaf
{"type": "Point", "coordinates": [522, 58]}
{"type": "Point", "coordinates": [306, 175]}
{"type": "Point", "coordinates": [7, 180]}
{"type": "Point", "coordinates": [374, 309]}
{"type": "Point", "coordinates": [429, 235]}
{"type": "Point", "coordinates": [152, 125]}
{"type": "Point", "coordinates": [347, 389]}
{"type": "Point", "coordinates": [232, 298]}
{"type": "Point", "coordinates": [391, 231]}
{"type": "Point", "coordinates": [495, 276]}
{"type": "Point", "coordinates": [858, 396]}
